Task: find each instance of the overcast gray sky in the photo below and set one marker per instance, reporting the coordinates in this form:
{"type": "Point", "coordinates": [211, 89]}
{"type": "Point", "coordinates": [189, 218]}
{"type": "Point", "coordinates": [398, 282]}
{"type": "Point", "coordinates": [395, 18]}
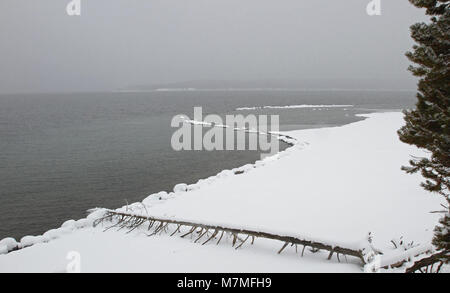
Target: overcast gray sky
{"type": "Point", "coordinates": [117, 43]}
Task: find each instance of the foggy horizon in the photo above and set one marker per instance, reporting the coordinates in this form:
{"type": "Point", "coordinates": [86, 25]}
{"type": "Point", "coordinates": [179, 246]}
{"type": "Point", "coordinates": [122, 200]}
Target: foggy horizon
{"type": "Point", "coordinates": [119, 44]}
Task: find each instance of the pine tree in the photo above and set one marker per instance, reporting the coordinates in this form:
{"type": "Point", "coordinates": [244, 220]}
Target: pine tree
{"type": "Point", "coordinates": [427, 125]}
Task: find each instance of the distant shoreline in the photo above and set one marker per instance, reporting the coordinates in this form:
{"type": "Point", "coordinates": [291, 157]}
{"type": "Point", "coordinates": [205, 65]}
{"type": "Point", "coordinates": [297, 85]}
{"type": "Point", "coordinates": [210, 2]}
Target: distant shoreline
{"type": "Point", "coordinates": [258, 89]}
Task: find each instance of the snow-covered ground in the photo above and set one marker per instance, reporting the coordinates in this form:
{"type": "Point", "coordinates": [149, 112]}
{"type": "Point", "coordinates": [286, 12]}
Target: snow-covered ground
{"type": "Point", "coordinates": [336, 185]}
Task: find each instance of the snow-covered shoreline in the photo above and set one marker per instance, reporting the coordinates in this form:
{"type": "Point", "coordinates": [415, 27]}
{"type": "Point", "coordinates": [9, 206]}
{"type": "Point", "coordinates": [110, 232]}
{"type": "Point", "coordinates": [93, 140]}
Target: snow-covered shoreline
{"type": "Point", "coordinates": [304, 106]}
{"type": "Point", "coordinates": [339, 187]}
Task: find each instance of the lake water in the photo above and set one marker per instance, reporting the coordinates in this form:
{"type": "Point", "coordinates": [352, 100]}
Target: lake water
{"type": "Point", "coordinates": [61, 154]}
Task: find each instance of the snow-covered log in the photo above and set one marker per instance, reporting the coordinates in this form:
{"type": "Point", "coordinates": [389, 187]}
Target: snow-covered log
{"type": "Point", "coordinates": [430, 264]}
{"type": "Point", "coordinates": [160, 225]}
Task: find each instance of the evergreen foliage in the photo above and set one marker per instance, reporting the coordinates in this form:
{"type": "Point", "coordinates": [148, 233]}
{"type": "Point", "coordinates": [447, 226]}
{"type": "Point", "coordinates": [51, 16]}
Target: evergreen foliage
{"type": "Point", "coordinates": [427, 126]}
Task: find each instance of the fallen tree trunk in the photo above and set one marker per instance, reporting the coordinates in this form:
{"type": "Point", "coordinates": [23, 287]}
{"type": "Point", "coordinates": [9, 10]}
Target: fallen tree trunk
{"type": "Point", "coordinates": [428, 263]}
{"type": "Point", "coordinates": [289, 140]}
{"type": "Point", "coordinates": [132, 221]}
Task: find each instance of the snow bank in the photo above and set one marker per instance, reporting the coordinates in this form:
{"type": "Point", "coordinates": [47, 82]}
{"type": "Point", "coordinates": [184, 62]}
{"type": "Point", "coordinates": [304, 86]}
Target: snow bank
{"type": "Point", "coordinates": [345, 182]}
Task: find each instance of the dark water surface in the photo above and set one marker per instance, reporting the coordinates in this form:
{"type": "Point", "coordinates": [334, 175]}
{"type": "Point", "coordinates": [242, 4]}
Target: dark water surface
{"type": "Point", "coordinates": [61, 154]}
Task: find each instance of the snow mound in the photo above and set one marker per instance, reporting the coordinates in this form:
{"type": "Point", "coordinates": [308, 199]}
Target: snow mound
{"type": "Point", "coordinates": [8, 244]}
{"type": "Point", "coordinates": [27, 241]}
{"type": "Point", "coordinates": [181, 187]}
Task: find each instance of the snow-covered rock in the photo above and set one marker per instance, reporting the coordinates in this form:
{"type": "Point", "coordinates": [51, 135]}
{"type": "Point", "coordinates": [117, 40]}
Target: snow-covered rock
{"type": "Point", "coordinates": [52, 234]}
{"type": "Point", "coordinates": [182, 187]}
{"type": "Point", "coordinates": [70, 224]}
{"type": "Point", "coordinates": [3, 249]}
{"type": "Point", "coordinates": [31, 240]}
{"type": "Point", "coordinates": [8, 243]}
